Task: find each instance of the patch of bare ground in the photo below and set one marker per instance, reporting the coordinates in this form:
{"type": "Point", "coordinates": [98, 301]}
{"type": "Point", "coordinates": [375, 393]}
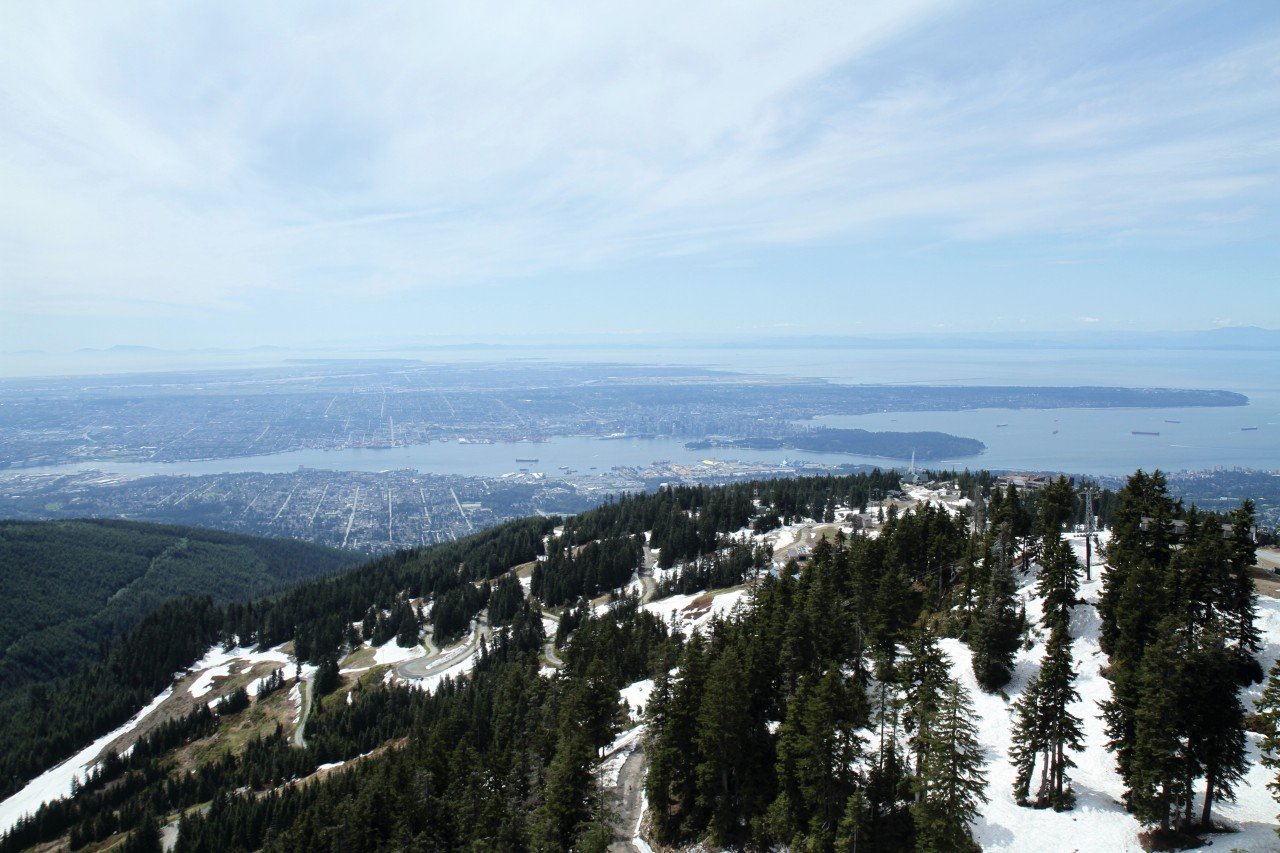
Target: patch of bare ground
{"type": "Point", "coordinates": [181, 702]}
{"type": "Point", "coordinates": [1169, 839]}
{"type": "Point", "coordinates": [260, 719]}
{"type": "Point", "coordinates": [1265, 580]}
{"type": "Point", "coordinates": [398, 743]}
{"type": "Point", "coordinates": [361, 658]}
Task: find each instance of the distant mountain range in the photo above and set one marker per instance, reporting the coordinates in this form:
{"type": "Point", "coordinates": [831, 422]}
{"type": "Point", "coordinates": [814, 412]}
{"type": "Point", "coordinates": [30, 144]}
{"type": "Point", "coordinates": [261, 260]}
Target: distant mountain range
{"type": "Point", "coordinates": [1224, 338]}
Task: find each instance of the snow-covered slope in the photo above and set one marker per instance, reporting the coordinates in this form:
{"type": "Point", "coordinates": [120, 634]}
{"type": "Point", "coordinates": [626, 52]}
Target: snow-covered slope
{"type": "Point", "coordinates": [1099, 821]}
{"type": "Point", "coordinates": [56, 782]}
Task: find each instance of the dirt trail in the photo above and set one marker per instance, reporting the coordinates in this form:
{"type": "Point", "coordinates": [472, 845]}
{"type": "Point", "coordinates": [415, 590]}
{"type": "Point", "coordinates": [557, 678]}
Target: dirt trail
{"type": "Point", "coordinates": [306, 688]}
{"type": "Point", "coordinates": [628, 803]}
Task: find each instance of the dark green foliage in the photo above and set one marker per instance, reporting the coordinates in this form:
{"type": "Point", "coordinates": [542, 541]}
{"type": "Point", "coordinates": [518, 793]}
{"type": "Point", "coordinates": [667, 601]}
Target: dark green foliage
{"type": "Point", "coordinates": [405, 617]}
{"type": "Point", "coordinates": [996, 628]}
{"type": "Point", "coordinates": [950, 783]}
{"type": "Point", "coordinates": [818, 745]}
{"type": "Point", "coordinates": [753, 740]}
{"type": "Point", "coordinates": [1044, 730]}
{"type": "Point", "coordinates": [1178, 622]}
{"type": "Point", "coordinates": [1056, 506]}
{"type": "Point", "coordinates": [326, 680]}
{"type": "Point", "coordinates": [234, 702]}
{"type": "Point", "coordinates": [145, 837]}
{"type": "Point", "coordinates": [803, 655]}
{"type": "Point", "coordinates": [453, 611]}
{"type": "Point", "coordinates": [70, 587]}
{"type": "Point", "coordinates": [51, 721]}
{"type": "Point", "coordinates": [1059, 581]}
{"type": "Point", "coordinates": [727, 567]}
{"type": "Point", "coordinates": [1269, 720]}
{"type": "Point", "coordinates": [505, 599]}
{"type": "Point", "coordinates": [585, 571]}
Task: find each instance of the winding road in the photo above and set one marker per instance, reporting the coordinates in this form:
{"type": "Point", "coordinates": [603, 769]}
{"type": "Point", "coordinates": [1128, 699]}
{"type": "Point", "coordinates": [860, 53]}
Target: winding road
{"type": "Point", "coordinates": [432, 663]}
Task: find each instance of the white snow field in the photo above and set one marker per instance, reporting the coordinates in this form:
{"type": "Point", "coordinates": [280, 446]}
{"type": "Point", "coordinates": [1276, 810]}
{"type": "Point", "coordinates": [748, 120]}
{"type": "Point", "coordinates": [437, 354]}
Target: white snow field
{"type": "Point", "coordinates": [1098, 822]}
{"type": "Point", "coordinates": [392, 652]}
{"type": "Point", "coordinates": [687, 618]}
{"type": "Point", "coordinates": [217, 663]}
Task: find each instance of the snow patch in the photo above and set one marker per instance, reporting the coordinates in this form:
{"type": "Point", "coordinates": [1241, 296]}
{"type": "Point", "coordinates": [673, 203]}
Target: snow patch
{"type": "Point", "coordinates": [616, 755]}
{"type": "Point", "coordinates": [637, 697]}
{"type": "Point", "coordinates": [391, 652]}
{"type": "Point", "coordinates": [218, 662]}
{"type": "Point", "coordinates": [1099, 820]}
{"type": "Point", "coordinates": [56, 782]}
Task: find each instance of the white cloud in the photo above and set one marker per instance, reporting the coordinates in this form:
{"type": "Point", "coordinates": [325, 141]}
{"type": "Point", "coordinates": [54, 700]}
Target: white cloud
{"type": "Point", "coordinates": [177, 156]}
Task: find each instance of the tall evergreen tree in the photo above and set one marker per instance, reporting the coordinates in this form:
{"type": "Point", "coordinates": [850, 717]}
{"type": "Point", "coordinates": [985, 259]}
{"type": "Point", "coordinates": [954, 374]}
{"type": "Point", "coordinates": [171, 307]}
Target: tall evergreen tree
{"type": "Point", "coordinates": [729, 734]}
{"type": "Point", "coordinates": [1056, 506]}
{"type": "Point", "coordinates": [1269, 715]}
{"type": "Point", "coordinates": [671, 784]}
{"type": "Point", "coordinates": [1217, 735]}
{"type": "Point", "coordinates": [952, 782]}
{"type": "Point", "coordinates": [818, 746]}
{"type": "Point", "coordinates": [1059, 581]}
{"type": "Point", "coordinates": [996, 624]}
{"type": "Point", "coordinates": [568, 793]}
{"type": "Point", "coordinates": [925, 675]}
{"type": "Point", "coordinates": [1135, 598]}
{"type": "Point", "coordinates": [1044, 730]}
{"type": "Point", "coordinates": [1161, 766]}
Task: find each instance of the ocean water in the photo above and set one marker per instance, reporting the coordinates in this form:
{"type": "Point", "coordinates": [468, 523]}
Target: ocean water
{"type": "Point", "coordinates": [1099, 441]}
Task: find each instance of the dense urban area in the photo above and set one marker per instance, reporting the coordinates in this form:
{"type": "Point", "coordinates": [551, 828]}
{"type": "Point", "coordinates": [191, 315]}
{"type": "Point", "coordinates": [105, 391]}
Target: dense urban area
{"type": "Point", "coordinates": [344, 404]}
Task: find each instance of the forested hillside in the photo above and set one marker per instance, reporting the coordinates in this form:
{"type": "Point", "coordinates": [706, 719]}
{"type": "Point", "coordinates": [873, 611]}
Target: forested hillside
{"type": "Point", "coordinates": [70, 587]}
{"type": "Point", "coordinates": [818, 664]}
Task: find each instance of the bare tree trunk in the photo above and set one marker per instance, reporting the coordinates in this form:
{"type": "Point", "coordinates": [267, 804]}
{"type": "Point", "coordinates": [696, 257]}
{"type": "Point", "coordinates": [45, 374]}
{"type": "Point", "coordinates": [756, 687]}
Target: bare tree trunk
{"type": "Point", "coordinates": [1058, 771]}
{"type": "Point", "coordinates": [1044, 775]}
{"type": "Point", "coordinates": [1208, 799]}
{"type": "Point", "coordinates": [1191, 801]}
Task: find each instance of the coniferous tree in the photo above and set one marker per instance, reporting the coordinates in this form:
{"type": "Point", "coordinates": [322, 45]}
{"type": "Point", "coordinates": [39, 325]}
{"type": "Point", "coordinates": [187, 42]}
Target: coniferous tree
{"type": "Point", "coordinates": [408, 627]}
{"type": "Point", "coordinates": [1059, 581]}
{"type": "Point", "coordinates": [1055, 506]}
{"type": "Point", "coordinates": [1044, 730]}
{"type": "Point", "coordinates": [1134, 599]}
{"type": "Point", "coordinates": [671, 784]}
{"type": "Point", "coordinates": [818, 746]}
{"type": "Point", "coordinates": [1269, 716]}
{"type": "Point", "coordinates": [567, 799]}
{"type": "Point", "coordinates": [925, 676]}
{"type": "Point", "coordinates": [729, 732]}
{"type": "Point", "coordinates": [327, 677]}
{"type": "Point", "coordinates": [1217, 734]}
{"type": "Point", "coordinates": [145, 837]}
{"type": "Point", "coordinates": [952, 781]}
{"type": "Point", "coordinates": [996, 625]}
{"type": "Point", "coordinates": [1161, 766]}
{"type": "Point", "coordinates": [1240, 598]}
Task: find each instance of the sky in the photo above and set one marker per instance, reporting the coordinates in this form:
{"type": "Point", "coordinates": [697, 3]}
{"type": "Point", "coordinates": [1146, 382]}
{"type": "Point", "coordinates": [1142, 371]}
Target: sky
{"type": "Point", "coordinates": [322, 174]}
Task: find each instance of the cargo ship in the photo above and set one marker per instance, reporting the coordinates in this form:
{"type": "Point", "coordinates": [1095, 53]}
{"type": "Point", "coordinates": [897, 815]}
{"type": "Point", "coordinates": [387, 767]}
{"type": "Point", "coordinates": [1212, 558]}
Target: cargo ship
{"type": "Point", "coordinates": [518, 459]}
{"type": "Point", "coordinates": [1142, 432]}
